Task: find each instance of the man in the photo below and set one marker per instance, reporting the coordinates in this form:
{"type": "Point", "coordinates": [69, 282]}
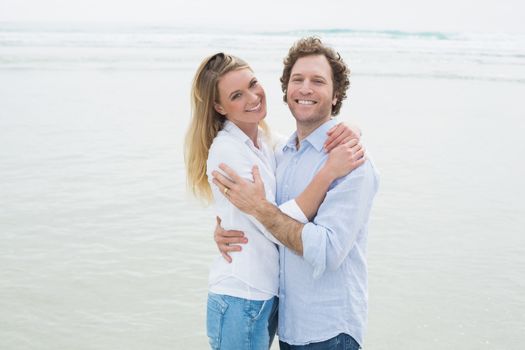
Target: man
{"type": "Point", "coordinates": [323, 271]}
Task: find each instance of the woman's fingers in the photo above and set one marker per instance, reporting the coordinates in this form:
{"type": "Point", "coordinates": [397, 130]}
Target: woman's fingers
{"type": "Point", "coordinates": [334, 142]}
{"type": "Point", "coordinates": [359, 154]}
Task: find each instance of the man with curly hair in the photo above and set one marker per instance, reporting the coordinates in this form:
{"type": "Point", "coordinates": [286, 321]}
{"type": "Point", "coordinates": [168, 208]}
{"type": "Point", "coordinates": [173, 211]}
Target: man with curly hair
{"type": "Point", "coordinates": [323, 286]}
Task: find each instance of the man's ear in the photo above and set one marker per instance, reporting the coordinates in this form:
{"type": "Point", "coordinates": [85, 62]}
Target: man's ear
{"type": "Point", "coordinates": [219, 109]}
{"type": "Point", "coordinates": [334, 100]}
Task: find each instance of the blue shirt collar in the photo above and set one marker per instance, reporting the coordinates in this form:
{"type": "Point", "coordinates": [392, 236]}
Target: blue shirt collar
{"type": "Point", "coordinates": [316, 138]}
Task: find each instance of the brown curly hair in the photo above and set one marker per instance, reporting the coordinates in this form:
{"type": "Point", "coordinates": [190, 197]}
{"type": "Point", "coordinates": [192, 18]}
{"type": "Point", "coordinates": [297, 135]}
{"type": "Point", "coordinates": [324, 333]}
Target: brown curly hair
{"type": "Point", "coordinates": [313, 46]}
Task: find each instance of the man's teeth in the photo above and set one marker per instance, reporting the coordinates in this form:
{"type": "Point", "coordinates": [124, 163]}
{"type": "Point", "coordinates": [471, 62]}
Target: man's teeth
{"type": "Point", "coordinates": [305, 102]}
{"type": "Point", "coordinates": [254, 108]}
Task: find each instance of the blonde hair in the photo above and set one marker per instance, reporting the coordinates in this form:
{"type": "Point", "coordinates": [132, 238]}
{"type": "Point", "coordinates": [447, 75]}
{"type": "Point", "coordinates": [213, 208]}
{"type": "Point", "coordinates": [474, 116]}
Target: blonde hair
{"type": "Point", "coordinates": [206, 122]}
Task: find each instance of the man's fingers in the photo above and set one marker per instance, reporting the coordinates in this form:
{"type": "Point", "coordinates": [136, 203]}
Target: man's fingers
{"type": "Point", "coordinates": [222, 179]}
{"type": "Point", "coordinates": [231, 240]}
{"type": "Point", "coordinates": [232, 233]}
{"type": "Point", "coordinates": [227, 257]}
{"type": "Point", "coordinates": [256, 175]}
{"type": "Point", "coordinates": [230, 172]}
{"type": "Point", "coordinates": [229, 248]}
{"type": "Point", "coordinates": [219, 185]}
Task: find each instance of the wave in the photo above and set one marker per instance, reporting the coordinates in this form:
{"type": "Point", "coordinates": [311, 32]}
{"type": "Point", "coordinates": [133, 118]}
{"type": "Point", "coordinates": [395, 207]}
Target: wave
{"type": "Point", "coordinates": [392, 34]}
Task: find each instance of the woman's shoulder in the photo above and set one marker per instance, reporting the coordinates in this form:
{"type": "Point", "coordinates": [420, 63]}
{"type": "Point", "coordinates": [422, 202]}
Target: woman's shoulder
{"type": "Point", "coordinates": [227, 149]}
{"type": "Point", "coordinates": [224, 142]}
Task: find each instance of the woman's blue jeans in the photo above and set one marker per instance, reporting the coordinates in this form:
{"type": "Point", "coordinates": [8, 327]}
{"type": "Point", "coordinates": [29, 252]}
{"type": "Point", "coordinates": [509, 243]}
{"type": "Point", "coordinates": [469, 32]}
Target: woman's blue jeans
{"type": "Point", "coordinates": [236, 323]}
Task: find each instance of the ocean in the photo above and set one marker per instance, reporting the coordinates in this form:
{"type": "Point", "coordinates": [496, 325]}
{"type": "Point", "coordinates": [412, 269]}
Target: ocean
{"type": "Point", "coordinates": [103, 247]}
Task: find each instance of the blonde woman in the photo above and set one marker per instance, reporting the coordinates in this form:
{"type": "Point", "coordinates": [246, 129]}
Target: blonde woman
{"type": "Point", "coordinates": [227, 126]}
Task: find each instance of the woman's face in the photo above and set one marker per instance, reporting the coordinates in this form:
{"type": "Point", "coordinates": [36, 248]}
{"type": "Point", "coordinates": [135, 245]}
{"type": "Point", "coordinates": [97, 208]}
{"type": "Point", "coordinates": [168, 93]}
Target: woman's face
{"type": "Point", "coordinates": [242, 99]}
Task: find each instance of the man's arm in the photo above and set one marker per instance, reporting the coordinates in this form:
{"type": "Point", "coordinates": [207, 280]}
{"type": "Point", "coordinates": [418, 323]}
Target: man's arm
{"type": "Point", "coordinates": [327, 241]}
{"type": "Point", "coordinates": [251, 199]}
{"type": "Point", "coordinates": [285, 229]}
{"type": "Point", "coordinates": [305, 206]}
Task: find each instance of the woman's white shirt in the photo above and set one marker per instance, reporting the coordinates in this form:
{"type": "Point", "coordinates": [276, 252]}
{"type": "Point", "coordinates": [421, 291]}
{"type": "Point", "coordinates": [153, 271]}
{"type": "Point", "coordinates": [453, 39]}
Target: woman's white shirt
{"type": "Point", "coordinates": [254, 271]}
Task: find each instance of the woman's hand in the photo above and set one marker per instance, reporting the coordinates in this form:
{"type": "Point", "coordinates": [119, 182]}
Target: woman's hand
{"type": "Point", "coordinates": [345, 158]}
{"type": "Point", "coordinates": [244, 194]}
{"type": "Point", "coordinates": [339, 134]}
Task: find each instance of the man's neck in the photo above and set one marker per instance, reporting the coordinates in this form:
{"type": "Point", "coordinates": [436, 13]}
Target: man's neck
{"type": "Point", "coordinates": [305, 129]}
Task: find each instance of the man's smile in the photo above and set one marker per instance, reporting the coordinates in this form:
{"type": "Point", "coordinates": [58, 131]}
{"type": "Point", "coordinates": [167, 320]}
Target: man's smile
{"type": "Point", "coordinates": [305, 102]}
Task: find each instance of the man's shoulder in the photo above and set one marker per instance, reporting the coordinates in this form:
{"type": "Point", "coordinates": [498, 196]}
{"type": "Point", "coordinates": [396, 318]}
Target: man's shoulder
{"type": "Point", "coordinates": [366, 173]}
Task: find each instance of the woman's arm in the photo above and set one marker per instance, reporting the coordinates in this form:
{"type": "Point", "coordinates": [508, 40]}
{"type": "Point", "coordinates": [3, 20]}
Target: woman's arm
{"type": "Point", "coordinates": [341, 161]}
{"type": "Point", "coordinates": [347, 155]}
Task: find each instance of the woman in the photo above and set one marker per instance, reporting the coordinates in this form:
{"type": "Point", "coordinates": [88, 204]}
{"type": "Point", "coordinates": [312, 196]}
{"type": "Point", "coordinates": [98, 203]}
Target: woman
{"type": "Point", "coordinates": [228, 107]}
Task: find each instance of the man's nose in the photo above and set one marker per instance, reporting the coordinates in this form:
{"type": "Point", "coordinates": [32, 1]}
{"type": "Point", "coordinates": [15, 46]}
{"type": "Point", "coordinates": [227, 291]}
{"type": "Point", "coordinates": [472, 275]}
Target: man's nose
{"type": "Point", "coordinates": [305, 88]}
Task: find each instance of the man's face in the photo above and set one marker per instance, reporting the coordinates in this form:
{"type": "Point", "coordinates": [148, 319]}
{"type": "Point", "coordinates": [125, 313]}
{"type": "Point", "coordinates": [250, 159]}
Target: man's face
{"type": "Point", "coordinates": [310, 94]}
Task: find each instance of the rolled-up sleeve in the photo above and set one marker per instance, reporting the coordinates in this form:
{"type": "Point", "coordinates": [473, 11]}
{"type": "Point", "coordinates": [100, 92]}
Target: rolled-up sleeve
{"type": "Point", "coordinates": [292, 209]}
{"type": "Point", "coordinates": [327, 240]}
{"type": "Point", "coordinates": [240, 162]}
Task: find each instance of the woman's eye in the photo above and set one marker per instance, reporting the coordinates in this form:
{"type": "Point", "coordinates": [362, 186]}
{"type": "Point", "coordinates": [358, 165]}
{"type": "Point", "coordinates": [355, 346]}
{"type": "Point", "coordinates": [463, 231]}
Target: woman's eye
{"type": "Point", "coordinates": [253, 83]}
{"type": "Point", "coordinates": [236, 96]}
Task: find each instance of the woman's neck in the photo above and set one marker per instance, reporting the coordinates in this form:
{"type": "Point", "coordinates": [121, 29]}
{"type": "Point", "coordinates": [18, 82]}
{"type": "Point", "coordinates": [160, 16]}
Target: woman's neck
{"type": "Point", "coordinates": [250, 129]}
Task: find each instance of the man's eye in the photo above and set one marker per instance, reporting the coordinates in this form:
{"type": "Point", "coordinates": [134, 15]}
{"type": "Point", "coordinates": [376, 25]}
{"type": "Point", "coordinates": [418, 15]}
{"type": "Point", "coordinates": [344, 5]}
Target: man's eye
{"type": "Point", "coordinates": [236, 96]}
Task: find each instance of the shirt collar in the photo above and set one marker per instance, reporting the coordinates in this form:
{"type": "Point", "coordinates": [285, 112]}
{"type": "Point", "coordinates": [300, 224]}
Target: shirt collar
{"type": "Point", "coordinates": [236, 132]}
{"type": "Point", "coordinates": [316, 138]}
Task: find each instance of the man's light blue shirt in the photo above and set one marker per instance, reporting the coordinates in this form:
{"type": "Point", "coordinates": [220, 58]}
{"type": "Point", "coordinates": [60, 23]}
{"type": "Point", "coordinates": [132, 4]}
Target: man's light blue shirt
{"type": "Point", "coordinates": [324, 292]}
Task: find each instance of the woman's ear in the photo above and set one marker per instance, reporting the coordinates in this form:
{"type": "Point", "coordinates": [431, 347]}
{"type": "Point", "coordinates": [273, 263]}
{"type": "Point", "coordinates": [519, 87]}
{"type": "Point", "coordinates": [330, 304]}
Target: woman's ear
{"type": "Point", "coordinates": [219, 109]}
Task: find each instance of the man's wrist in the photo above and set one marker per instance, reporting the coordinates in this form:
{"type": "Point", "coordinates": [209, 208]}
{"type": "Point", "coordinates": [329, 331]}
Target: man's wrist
{"type": "Point", "coordinates": [263, 209]}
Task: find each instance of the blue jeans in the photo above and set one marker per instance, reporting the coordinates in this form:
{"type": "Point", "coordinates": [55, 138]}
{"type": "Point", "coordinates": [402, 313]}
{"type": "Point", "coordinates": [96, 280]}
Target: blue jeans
{"type": "Point", "coordinates": [340, 342]}
{"type": "Point", "coordinates": [238, 324]}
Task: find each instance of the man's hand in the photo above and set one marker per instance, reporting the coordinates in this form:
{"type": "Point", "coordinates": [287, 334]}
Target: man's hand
{"type": "Point", "coordinates": [244, 194]}
{"type": "Point", "coordinates": [340, 134]}
{"type": "Point", "coordinates": [228, 241]}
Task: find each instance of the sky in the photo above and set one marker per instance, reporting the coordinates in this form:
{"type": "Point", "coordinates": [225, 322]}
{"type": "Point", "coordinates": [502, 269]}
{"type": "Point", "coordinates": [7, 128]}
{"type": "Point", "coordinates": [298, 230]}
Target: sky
{"type": "Point", "coordinates": [410, 15]}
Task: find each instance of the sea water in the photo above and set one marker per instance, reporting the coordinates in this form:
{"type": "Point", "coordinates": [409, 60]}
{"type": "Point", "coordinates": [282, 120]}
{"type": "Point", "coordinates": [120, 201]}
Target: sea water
{"type": "Point", "coordinates": [102, 247]}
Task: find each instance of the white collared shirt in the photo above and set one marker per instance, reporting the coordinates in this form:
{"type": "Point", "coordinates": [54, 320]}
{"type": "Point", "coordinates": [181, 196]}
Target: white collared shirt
{"type": "Point", "coordinates": [254, 271]}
